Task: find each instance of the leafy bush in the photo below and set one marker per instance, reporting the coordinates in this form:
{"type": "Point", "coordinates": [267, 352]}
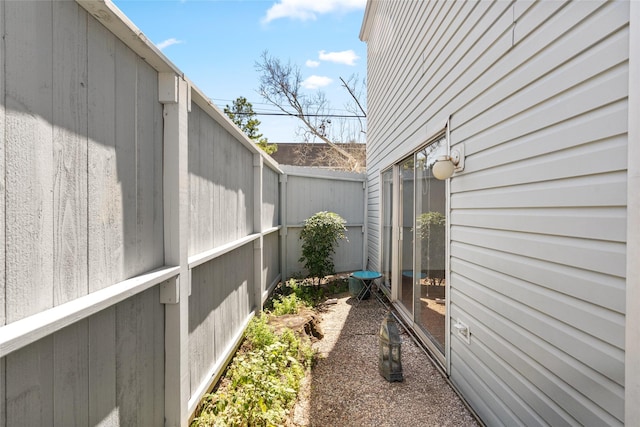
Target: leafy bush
{"type": "Point", "coordinates": [289, 304]}
{"type": "Point", "coordinates": [320, 235]}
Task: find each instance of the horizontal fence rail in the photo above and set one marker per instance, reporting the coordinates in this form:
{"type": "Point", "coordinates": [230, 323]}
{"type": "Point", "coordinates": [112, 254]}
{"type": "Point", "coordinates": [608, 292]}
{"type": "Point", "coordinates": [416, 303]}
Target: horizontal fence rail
{"type": "Point", "coordinates": [21, 333]}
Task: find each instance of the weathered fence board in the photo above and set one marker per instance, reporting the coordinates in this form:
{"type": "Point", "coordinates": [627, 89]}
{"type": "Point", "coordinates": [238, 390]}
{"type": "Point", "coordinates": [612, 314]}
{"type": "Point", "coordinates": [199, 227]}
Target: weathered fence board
{"type": "Point", "coordinates": [149, 218]}
{"type": "Point", "coordinates": [2, 194]}
{"type": "Point", "coordinates": [29, 200]}
{"type": "Point", "coordinates": [70, 152]}
{"type": "Point", "coordinates": [270, 198]}
{"type": "Point", "coordinates": [29, 383]}
{"type": "Point", "coordinates": [103, 409]}
{"type": "Point", "coordinates": [140, 360]}
{"type": "Point", "coordinates": [70, 375]}
{"type": "Point", "coordinates": [105, 215]}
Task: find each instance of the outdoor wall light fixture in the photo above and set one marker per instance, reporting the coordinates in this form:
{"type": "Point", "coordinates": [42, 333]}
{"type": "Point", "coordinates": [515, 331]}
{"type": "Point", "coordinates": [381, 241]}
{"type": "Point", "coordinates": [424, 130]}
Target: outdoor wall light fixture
{"type": "Point", "coordinates": [445, 166]}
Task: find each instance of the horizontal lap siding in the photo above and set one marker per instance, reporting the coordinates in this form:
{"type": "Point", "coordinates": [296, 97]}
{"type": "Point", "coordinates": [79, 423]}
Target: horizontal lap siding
{"type": "Point", "coordinates": [539, 219]}
{"type": "Point", "coordinates": [83, 153]}
{"type": "Point", "coordinates": [537, 92]}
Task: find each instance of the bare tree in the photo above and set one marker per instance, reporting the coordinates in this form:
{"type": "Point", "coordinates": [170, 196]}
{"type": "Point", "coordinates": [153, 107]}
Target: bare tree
{"type": "Point", "coordinates": [280, 85]}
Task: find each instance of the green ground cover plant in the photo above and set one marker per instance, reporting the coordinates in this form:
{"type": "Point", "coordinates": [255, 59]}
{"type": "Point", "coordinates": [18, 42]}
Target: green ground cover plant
{"type": "Point", "coordinates": [261, 384]}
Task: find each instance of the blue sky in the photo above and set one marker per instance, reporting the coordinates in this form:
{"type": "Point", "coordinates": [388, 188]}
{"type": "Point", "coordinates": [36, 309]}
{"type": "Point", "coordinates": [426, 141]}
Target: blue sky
{"type": "Point", "coordinates": [216, 43]}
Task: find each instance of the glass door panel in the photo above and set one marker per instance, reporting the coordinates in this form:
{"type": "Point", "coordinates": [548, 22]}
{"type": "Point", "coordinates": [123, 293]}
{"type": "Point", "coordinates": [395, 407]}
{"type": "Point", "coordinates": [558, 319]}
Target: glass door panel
{"type": "Point", "coordinates": [406, 245]}
{"type": "Point", "coordinates": [430, 245]}
{"type": "Point", "coordinates": [387, 227]}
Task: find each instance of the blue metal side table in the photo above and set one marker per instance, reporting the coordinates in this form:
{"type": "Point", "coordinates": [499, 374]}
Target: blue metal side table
{"type": "Point", "coordinates": [366, 277]}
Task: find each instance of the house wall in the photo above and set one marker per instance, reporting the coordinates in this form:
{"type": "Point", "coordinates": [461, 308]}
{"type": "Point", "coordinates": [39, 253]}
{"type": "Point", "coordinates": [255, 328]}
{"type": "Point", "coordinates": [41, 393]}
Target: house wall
{"type": "Point", "coordinates": [537, 93]}
{"type": "Point", "coordinates": [632, 329]}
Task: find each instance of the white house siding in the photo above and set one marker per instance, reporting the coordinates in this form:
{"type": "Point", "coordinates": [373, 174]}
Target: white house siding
{"type": "Point", "coordinates": [537, 93]}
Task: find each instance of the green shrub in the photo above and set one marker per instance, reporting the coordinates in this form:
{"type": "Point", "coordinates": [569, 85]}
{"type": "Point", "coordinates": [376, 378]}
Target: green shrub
{"type": "Point", "coordinates": [320, 234]}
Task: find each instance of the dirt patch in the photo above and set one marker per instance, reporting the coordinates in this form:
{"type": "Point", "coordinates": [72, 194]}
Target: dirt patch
{"type": "Point", "coordinates": [305, 322]}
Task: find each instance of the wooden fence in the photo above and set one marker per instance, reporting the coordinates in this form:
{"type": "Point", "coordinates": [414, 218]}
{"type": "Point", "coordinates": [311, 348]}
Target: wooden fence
{"type": "Point", "coordinates": [140, 230]}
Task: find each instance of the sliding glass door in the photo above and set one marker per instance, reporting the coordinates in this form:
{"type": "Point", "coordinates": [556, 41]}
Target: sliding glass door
{"type": "Point", "coordinates": [430, 246]}
{"type": "Point", "coordinates": [417, 207]}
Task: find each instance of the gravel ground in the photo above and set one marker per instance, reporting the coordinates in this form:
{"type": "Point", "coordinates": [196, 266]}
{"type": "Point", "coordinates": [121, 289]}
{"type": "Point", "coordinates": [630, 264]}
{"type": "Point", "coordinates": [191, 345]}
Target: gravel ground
{"type": "Point", "coordinates": [345, 388]}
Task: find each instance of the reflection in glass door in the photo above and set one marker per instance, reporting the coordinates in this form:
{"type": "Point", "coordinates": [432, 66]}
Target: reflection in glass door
{"type": "Point", "coordinates": [430, 246]}
{"type": "Point", "coordinates": [405, 255]}
{"type": "Point", "coordinates": [387, 228]}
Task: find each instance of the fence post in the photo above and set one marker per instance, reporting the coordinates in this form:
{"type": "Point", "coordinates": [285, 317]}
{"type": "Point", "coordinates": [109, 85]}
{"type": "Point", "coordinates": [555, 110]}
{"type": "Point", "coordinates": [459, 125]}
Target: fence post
{"type": "Point", "coordinates": [173, 93]}
{"type": "Point", "coordinates": [283, 230]}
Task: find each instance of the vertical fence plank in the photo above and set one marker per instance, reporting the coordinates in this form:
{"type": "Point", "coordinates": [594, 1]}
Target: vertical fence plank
{"type": "Point", "coordinates": [28, 160]}
{"type": "Point", "coordinates": [103, 410]}
{"type": "Point", "coordinates": [202, 343]}
{"type": "Point", "coordinates": [258, 226]}
{"type": "Point", "coordinates": [71, 376]}
{"type": "Point", "coordinates": [104, 222]}
{"type": "Point", "coordinates": [3, 393]}
{"type": "Point", "coordinates": [194, 180]}
{"type": "Point", "coordinates": [3, 144]}
{"type": "Point", "coordinates": [70, 152]}
{"type": "Point", "coordinates": [105, 193]}
{"type": "Point", "coordinates": [139, 356]}
{"type": "Point", "coordinates": [126, 154]}
{"type": "Point", "coordinates": [29, 383]}
{"type": "Point", "coordinates": [149, 171]}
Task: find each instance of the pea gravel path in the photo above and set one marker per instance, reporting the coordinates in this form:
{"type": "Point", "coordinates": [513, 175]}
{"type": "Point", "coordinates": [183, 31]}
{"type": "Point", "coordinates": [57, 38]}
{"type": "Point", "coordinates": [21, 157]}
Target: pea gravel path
{"type": "Point", "coordinates": [345, 388]}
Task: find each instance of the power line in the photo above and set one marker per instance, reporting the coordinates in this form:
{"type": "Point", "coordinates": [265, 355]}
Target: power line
{"type": "Point", "coordinates": [344, 116]}
{"type": "Point", "coordinates": [267, 112]}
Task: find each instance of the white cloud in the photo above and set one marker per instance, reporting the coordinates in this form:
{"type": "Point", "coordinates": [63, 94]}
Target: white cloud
{"type": "Point", "coordinates": [312, 64]}
{"type": "Point", "coordinates": [305, 10]}
{"type": "Point", "coordinates": [347, 57]}
{"type": "Point", "coordinates": [316, 82]}
{"type": "Point", "coordinates": [168, 42]}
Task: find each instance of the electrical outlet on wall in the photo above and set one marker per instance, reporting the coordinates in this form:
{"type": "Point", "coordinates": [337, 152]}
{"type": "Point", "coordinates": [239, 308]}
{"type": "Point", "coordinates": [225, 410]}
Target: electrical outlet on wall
{"type": "Point", "coordinates": [462, 330]}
